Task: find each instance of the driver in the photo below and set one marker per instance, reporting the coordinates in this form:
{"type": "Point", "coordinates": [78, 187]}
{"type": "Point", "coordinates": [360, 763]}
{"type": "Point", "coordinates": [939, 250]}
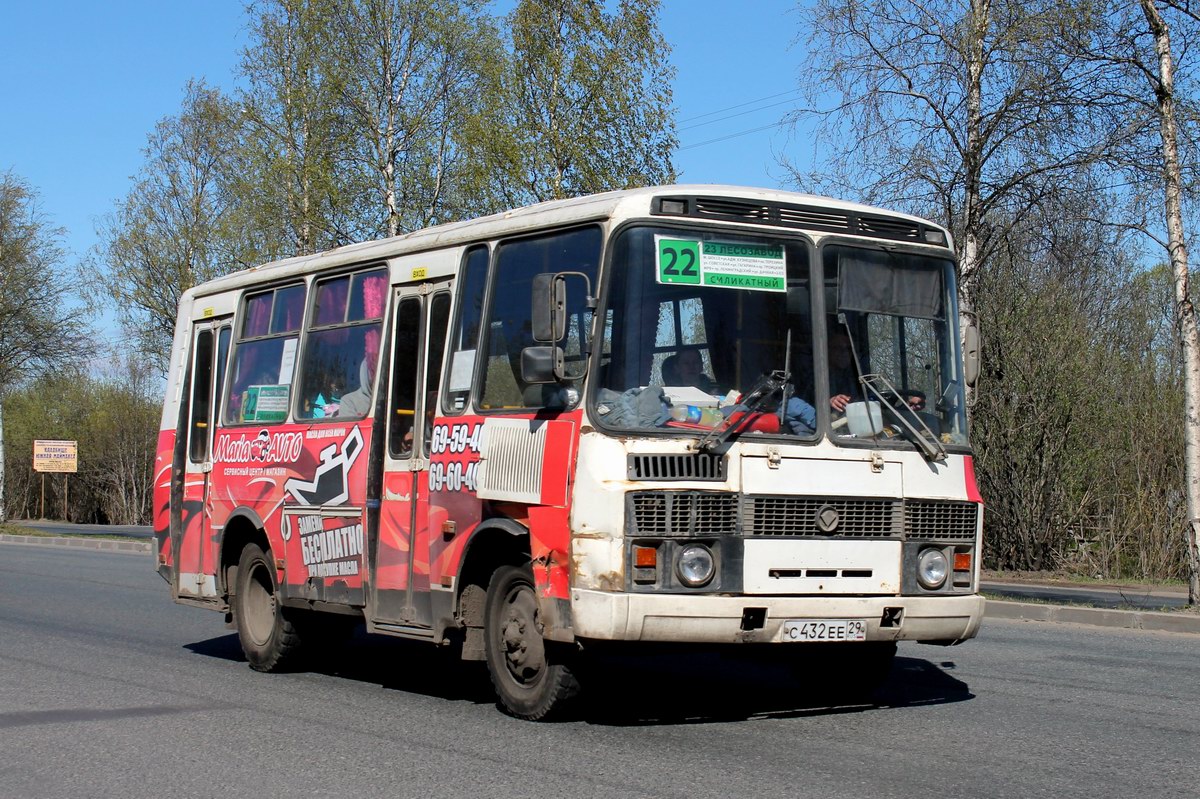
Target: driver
{"type": "Point", "coordinates": [685, 368]}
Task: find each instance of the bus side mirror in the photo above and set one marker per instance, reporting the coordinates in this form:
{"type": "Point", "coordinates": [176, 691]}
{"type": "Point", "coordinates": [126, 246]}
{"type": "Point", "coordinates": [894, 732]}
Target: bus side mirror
{"type": "Point", "coordinates": [542, 364]}
{"type": "Point", "coordinates": [971, 354]}
{"type": "Point", "coordinates": [549, 317]}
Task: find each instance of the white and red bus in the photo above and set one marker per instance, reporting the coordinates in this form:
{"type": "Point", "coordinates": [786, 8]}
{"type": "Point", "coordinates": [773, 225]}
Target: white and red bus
{"type": "Point", "coordinates": [693, 414]}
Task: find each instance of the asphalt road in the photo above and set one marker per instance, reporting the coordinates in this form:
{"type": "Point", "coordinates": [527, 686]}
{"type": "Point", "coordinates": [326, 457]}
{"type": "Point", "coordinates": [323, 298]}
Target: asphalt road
{"type": "Point", "coordinates": [1123, 598]}
{"type": "Point", "coordinates": [109, 689]}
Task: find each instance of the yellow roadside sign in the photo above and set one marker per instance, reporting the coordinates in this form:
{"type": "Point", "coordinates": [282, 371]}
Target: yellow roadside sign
{"type": "Point", "coordinates": [55, 456]}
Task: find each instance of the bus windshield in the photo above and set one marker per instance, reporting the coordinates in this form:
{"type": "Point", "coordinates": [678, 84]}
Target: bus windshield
{"type": "Point", "coordinates": [696, 319]}
{"type": "Point", "coordinates": [892, 356]}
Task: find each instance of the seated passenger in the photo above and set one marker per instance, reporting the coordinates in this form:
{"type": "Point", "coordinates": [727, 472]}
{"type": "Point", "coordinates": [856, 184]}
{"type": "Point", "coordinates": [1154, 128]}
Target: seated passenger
{"type": "Point", "coordinates": [914, 398]}
{"type": "Point", "coordinates": [324, 405]}
{"type": "Point", "coordinates": [843, 376]}
{"type": "Point", "coordinates": [685, 368]}
{"type": "Point", "coordinates": [358, 402]}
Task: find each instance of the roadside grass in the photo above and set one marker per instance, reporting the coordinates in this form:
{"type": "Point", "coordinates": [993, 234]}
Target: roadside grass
{"type": "Point", "coordinates": [1084, 580]}
{"type": "Point", "coordinates": [13, 529]}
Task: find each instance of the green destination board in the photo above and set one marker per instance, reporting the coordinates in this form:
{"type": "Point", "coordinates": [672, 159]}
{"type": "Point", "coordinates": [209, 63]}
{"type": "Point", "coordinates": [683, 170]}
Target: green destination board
{"type": "Point", "coordinates": [729, 265]}
{"type": "Point", "coordinates": [265, 403]}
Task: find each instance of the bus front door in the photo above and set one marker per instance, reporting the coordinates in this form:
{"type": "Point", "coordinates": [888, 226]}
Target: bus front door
{"type": "Point", "coordinates": [400, 568]}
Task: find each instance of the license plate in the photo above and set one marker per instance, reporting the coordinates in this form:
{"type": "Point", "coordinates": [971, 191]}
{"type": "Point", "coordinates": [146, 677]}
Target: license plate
{"type": "Point", "coordinates": [825, 630]}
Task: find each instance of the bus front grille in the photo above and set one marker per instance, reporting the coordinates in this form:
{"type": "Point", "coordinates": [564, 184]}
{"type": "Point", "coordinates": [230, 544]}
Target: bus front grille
{"type": "Point", "coordinates": [697, 466]}
{"type": "Point", "coordinates": [682, 513]}
{"type": "Point", "coordinates": [946, 521]}
{"type": "Point", "coordinates": [708, 514]}
{"type": "Point", "coordinates": [820, 516]}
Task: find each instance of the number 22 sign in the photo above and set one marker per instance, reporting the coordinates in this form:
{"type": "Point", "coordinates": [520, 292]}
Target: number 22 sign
{"type": "Point", "coordinates": [678, 261]}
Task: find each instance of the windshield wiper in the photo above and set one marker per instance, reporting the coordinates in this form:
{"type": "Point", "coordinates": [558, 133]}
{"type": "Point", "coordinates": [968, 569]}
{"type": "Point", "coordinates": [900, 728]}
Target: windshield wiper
{"type": "Point", "coordinates": [757, 396]}
{"type": "Point", "coordinates": [929, 445]}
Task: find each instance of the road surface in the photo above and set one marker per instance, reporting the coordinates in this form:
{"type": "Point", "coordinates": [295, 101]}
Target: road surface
{"type": "Point", "coordinates": [108, 689]}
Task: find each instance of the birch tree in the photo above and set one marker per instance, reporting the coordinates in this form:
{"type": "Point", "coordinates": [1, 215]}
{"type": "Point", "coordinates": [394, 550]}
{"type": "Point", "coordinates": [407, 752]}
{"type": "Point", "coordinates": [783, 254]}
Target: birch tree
{"type": "Point", "coordinates": [954, 109]}
{"type": "Point", "coordinates": [410, 75]}
{"type": "Point", "coordinates": [1162, 82]}
{"type": "Point", "coordinates": [173, 229]}
{"type": "Point", "coordinates": [40, 328]}
{"type": "Point", "coordinates": [286, 176]}
{"type": "Point", "coordinates": [589, 95]}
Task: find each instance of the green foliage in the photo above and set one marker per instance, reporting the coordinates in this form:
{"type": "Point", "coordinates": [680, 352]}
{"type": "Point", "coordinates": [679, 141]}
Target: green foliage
{"type": "Point", "coordinates": [589, 99]}
{"type": "Point", "coordinates": [172, 230]}
{"type": "Point", "coordinates": [367, 118]}
{"type": "Point", "coordinates": [1078, 421]}
{"type": "Point", "coordinates": [38, 329]}
{"type": "Point", "coordinates": [115, 422]}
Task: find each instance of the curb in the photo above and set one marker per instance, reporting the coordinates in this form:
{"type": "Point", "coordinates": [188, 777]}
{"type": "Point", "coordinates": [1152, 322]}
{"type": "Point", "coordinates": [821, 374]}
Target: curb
{"type": "Point", "coordinates": [130, 547]}
{"type": "Point", "coordinates": [1096, 617]}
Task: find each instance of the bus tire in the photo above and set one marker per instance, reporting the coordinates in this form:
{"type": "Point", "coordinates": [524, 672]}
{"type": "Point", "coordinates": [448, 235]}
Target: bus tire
{"type": "Point", "coordinates": [269, 640]}
{"type": "Point", "coordinates": [532, 677]}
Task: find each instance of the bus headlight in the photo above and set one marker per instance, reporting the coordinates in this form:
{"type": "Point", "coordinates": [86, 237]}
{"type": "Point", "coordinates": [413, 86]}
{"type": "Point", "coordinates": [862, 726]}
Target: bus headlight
{"type": "Point", "coordinates": [695, 565]}
{"type": "Point", "coordinates": [932, 568]}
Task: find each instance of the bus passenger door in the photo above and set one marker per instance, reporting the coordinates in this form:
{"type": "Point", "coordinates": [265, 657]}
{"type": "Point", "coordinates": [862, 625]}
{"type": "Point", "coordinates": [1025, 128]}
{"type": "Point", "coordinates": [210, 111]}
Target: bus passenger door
{"type": "Point", "coordinates": [400, 568]}
{"type": "Point", "coordinates": [195, 571]}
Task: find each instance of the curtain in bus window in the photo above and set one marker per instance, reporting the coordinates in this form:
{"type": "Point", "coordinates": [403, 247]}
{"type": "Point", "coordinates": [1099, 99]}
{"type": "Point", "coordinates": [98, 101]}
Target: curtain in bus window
{"type": "Point", "coordinates": [331, 301]}
{"type": "Point", "coordinates": [289, 309]}
{"type": "Point", "coordinates": [887, 283]}
{"type": "Point", "coordinates": [374, 290]}
{"type": "Point", "coordinates": [258, 316]}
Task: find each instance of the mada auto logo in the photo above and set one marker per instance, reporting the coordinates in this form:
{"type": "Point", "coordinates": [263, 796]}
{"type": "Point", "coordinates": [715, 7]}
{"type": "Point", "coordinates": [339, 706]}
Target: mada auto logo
{"type": "Point", "coordinates": [265, 447]}
{"type": "Point", "coordinates": [328, 485]}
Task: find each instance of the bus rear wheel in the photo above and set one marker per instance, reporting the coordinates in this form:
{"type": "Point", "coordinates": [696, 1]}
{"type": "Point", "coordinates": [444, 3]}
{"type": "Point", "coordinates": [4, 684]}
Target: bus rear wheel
{"type": "Point", "coordinates": [270, 641]}
{"type": "Point", "coordinates": [532, 677]}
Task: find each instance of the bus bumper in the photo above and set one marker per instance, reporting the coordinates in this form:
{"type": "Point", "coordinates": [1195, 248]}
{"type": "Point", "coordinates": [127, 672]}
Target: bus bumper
{"type": "Point", "coordinates": [720, 619]}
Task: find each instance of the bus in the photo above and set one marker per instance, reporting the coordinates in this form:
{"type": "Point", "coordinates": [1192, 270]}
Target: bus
{"type": "Point", "coordinates": [698, 415]}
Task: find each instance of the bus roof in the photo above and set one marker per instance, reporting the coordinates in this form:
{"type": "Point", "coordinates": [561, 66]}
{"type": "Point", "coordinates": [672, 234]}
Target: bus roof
{"type": "Point", "coordinates": [634, 202]}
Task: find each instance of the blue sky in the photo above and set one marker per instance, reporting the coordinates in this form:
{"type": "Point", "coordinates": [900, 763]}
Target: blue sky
{"type": "Point", "coordinates": [82, 83]}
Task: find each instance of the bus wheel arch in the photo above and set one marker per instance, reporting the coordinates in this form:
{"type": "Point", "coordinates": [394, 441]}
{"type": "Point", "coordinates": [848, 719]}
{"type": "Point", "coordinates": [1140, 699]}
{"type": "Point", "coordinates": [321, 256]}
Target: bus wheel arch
{"type": "Point", "coordinates": [496, 543]}
{"type": "Point", "coordinates": [242, 528]}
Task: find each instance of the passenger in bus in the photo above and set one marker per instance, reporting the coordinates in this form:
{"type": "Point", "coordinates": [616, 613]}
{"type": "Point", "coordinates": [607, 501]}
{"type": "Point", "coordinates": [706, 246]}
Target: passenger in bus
{"type": "Point", "coordinates": [843, 377]}
{"type": "Point", "coordinates": [328, 401]}
{"type": "Point", "coordinates": [358, 402]}
{"type": "Point", "coordinates": [685, 368]}
{"type": "Point", "coordinates": [914, 398]}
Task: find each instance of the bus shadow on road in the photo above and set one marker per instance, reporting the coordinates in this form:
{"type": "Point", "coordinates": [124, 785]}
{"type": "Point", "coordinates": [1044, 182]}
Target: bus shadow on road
{"type": "Point", "coordinates": [649, 688]}
{"type": "Point", "coordinates": [391, 663]}
{"type": "Point", "coordinates": [721, 687]}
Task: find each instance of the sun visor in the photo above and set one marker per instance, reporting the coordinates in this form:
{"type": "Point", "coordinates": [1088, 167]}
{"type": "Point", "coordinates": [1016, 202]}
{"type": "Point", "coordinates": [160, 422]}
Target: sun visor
{"type": "Point", "coordinates": [887, 283]}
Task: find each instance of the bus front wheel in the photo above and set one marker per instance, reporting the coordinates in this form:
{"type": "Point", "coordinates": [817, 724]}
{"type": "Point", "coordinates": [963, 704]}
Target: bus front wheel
{"type": "Point", "coordinates": [532, 677]}
{"type": "Point", "coordinates": [269, 640]}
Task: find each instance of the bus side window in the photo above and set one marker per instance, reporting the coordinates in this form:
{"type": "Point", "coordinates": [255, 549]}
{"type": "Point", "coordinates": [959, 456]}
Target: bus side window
{"type": "Point", "coordinates": [264, 359]}
{"type": "Point", "coordinates": [466, 331]}
{"type": "Point", "coordinates": [201, 397]}
{"type": "Point", "coordinates": [341, 347]}
{"type": "Point", "coordinates": [435, 349]}
{"type": "Point", "coordinates": [509, 326]}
